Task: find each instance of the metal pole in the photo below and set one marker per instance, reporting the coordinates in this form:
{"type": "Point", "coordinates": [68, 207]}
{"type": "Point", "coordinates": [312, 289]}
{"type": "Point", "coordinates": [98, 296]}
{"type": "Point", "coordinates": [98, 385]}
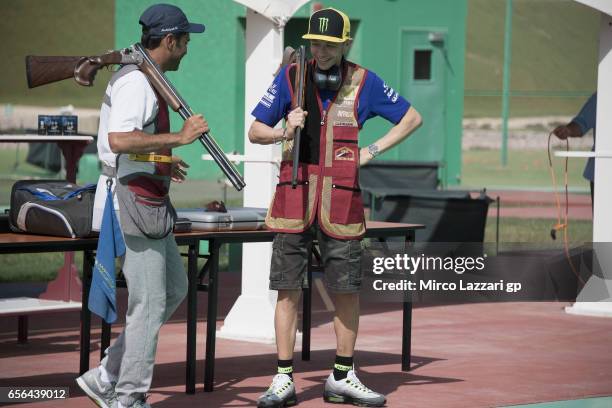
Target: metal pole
{"type": "Point", "coordinates": [506, 84]}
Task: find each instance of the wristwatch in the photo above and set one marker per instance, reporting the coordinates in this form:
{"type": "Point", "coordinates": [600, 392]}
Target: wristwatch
{"type": "Point", "coordinates": [373, 150]}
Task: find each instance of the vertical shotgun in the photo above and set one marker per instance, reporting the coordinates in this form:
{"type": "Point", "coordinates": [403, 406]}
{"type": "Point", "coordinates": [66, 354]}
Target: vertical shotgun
{"type": "Point", "coordinates": [300, 77]}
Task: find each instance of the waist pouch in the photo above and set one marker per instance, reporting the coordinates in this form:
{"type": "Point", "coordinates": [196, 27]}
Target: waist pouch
{"type": "Point", "coordinates": [52, 207]}
{"type": "Point", "coordinates": [151, 217]}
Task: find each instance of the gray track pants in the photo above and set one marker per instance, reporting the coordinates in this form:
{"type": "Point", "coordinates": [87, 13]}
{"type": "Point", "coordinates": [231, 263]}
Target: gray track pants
{"type": "Point", "coordinates": [157, 284]}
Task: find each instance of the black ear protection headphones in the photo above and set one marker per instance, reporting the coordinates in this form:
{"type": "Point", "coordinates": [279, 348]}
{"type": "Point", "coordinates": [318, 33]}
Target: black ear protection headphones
{"type": "Point", "coordinates": [330, 79]}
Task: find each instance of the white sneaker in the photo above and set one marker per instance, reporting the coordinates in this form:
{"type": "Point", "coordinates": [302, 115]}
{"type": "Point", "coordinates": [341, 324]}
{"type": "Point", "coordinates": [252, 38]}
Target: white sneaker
{"type": "Point", "coordinates": [100, 392]}
{"type": "Point", "coordinates": [280, 394]}
{"type": "Point", "coordinates": [351, 391]}
{"type": "Point", "coordinates": [136, 404]}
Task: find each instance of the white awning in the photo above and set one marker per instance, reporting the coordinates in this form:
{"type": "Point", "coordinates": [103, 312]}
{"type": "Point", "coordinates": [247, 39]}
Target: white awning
{"type": "Point", "coordinates": [605, 6]}
{"type": "Point", "coordinates": [275, 10]}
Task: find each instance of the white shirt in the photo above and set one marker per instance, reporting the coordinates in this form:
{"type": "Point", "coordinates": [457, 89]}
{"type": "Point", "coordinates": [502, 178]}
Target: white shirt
{"type": "Point", "coordinates": [133, 104]}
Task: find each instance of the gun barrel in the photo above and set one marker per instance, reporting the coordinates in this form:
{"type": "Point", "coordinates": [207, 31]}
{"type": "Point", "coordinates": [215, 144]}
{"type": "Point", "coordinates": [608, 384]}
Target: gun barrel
{"type": "Point", "coordinates": [300, 76]}
{"type": "Point", "coordinates": [228, 168]}
{"type": "Point", "coordinates": [178, 104]}
{"type": "Point", "coordinates": [222, 161]}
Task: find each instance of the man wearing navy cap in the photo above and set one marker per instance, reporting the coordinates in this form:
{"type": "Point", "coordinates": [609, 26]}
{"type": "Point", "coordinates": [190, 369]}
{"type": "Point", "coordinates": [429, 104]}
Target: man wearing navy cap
{"type": "Point", "coordinates": [134, 145]}
{"type": "Point", "coordinates": [326, 203]}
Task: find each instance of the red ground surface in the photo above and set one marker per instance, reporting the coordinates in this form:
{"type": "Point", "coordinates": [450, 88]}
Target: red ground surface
{"type": "Point", "coordinates": [477, 355]}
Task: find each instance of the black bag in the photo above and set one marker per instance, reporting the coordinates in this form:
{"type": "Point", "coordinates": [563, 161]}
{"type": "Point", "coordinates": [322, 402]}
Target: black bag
{"type": "Point", "coordinates": [52, 207]}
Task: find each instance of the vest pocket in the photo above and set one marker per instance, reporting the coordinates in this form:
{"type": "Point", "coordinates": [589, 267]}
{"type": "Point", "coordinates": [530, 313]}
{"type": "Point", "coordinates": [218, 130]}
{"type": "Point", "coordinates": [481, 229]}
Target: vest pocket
{"type": "Point", "coordinates": [346, 153]}
{"type": "Point", "coordinates": [290, 203]}
{"type": "Point", "coordinates": [345, 145]}
{"type": "Point", "coordinates": [151, 217]}
{"type": "Point", "coordinates": [346, 205]}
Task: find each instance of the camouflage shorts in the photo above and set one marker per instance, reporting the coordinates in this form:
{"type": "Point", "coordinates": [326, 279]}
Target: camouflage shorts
{"type": "Point", "coordinates": [341, 261]}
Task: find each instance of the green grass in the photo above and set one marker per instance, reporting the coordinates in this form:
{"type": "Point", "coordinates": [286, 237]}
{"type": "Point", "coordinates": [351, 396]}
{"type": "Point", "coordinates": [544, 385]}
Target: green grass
{"type": "Point", "coordinates": [43, 267]}
{"type": "Point", "coordinates": [34, 267]}
{"type": "Point", "coordinates": [536, 231]}
{"type": "Point", "coordinates": [54, 27]}
{"type": "Point", "coordinates": [13, 167]}
{"type": "Point", "coordinates": [525, 169]}
{"type": "Point", "coordinates": [554, 48]}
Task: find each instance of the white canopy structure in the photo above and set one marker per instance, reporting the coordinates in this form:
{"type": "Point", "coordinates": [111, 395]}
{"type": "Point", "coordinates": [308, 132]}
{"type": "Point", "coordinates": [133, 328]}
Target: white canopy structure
{"type": "Point", "coordinates": [597, 287]}
{"type": "Point", "coordinates": [252, 316]}
{"type": "Point", "coordinates": [277, 11]}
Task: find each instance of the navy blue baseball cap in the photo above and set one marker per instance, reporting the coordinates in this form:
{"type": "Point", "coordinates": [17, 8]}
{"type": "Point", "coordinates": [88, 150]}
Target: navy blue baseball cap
{"type": "Point", "coordinates": [161, 19]}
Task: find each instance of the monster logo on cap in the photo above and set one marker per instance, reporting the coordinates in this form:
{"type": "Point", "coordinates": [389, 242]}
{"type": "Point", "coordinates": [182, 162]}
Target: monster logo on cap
{"type": "Point", "coordinates": [329, 25]}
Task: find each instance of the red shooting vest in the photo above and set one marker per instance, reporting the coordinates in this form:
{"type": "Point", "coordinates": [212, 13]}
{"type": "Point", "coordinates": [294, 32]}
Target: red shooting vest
{"type": "Point", "coordinates": [328, 190]}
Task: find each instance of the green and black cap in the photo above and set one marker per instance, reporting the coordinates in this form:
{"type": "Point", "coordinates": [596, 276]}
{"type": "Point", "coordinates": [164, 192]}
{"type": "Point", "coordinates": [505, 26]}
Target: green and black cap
{"type": "Point", "coordinates": [329, 25]}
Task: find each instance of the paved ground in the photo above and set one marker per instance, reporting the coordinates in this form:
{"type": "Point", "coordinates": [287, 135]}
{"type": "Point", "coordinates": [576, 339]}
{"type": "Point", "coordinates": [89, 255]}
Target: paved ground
{"type": "Point", "coordinates": [523, 133]}
{"type": "Point", "coordinates": [480, 355]}
{"type": "Point", "coordinates": [533, 204]}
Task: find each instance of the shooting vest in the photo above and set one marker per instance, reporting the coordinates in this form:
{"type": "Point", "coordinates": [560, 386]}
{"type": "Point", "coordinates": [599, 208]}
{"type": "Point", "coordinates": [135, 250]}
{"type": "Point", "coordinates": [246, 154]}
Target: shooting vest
{"type": "Point", "coordinates": [147, 175]}
{"type": "Point", "coordinates": [328, 186]}
{"type": "Point", "coordinates": [144, 179]}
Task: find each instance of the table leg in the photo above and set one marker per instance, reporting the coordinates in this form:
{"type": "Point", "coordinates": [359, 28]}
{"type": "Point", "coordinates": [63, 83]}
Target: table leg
{"type": "Point", "coordinates": [211, 321]}
{"type": "Point", "coordinates": [85, 313]}
{"type": "Point", "coordinates": [105, 338]}
{"type": "Point", "coordinates": [407, 324]}
{"type": "Point", "coordinates": [406, 335]}
{"type": "Point", "coordinates": [192, 317]}
{"type": "Point", "coordinates": [307, 312]}
{"type": "Point", "coordinates": [22, 329]}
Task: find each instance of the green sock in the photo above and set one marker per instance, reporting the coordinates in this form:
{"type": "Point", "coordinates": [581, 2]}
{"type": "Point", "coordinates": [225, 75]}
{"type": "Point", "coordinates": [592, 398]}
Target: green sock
{"type": "Point", "coordinates": [286, 367]}
{"type": "Point", "coordinates": [342, 366]}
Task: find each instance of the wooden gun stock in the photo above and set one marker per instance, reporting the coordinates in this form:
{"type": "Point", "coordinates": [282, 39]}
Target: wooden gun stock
{"type": "Point", "coordinates": [46, 70]}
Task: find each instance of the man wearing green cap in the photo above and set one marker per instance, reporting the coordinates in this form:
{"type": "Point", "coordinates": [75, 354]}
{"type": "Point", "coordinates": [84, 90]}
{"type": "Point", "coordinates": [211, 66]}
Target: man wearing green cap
{"type": "Point", "coordinates": [326, 204]}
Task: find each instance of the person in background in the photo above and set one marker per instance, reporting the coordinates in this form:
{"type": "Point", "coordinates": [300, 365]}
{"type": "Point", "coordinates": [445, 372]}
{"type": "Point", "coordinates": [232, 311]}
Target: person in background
{"type": "Point", "coordinates": [578, 127]}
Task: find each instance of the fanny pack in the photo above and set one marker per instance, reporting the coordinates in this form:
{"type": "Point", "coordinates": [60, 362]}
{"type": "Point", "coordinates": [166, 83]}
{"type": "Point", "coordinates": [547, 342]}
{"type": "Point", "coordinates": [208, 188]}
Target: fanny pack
{"type": "Point", "coordinates": [140, 215]}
